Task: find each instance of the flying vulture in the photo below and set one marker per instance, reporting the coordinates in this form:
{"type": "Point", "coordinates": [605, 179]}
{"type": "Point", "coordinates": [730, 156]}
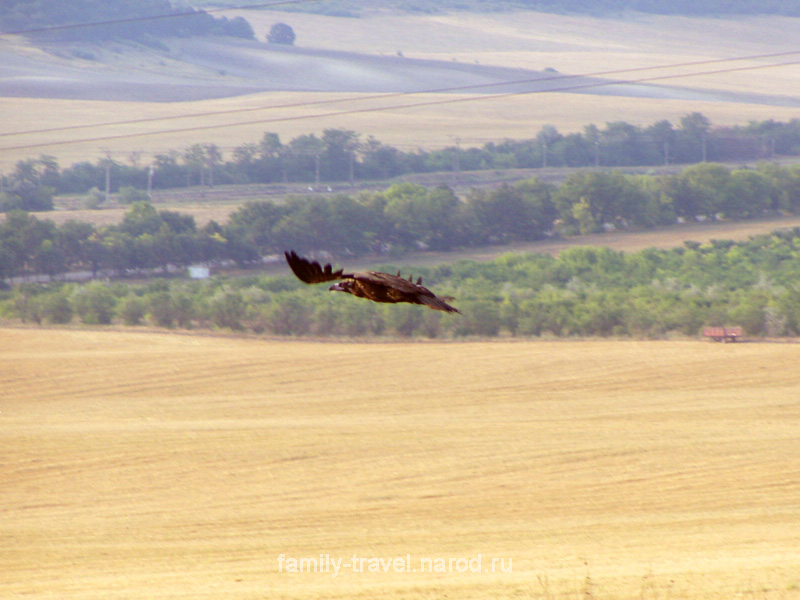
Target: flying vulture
{"type": "Point", "coordinates": [372, 285]}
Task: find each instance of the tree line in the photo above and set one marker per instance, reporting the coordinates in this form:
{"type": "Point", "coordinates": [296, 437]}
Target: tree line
{"type": "Point", "coordinates": [403, 217]}
{"type": "Point", "coordinates": [584, 291]}
{"type": "Point", "coordinates": [141, 20]}
{"type": "Point", "coordinates": [342, 155]}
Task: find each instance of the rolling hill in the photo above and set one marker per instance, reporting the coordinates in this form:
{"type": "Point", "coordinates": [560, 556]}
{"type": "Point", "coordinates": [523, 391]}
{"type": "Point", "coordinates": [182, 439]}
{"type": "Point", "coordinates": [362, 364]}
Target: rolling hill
{"type": "Point", "coordinates": [202, 83]}
{"type": "Point", "coordinates": [207, 68]}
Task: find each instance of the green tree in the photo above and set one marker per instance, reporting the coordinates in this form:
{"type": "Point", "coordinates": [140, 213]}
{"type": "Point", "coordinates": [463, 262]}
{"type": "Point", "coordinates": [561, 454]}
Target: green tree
{"type": "Point", "coordinates": [582, 213]}
{"type": "Point", "coordinates": [129, 194]}
{"type": "Point", "coordinates": [357, 319]}
{"type": "Point", "coordinates": [306, 152]}
{"type": "Point", "coordinates": [238, 27]}
{"type": "Point", "coordinates": [481, 317]}
{"type": "Point", "coordinates": [695, 125]}
{"type": "Point", "coordinates": [708, 186]}
{"type": "Point", "coordinates": [380, 161]}
{"type": "Point", "coordinates": [26, 303]}
{"type": "Point", "coordinates": [338, 155]}
{"type": "Point", "coordinates": [600, 197]}
{"type": "Point", "coordinates": [291, 315]}
{"type": "Point", "coordinates": [29, 244]}
{"type": "Point", "coordinates": [228, 309]}
{"type": "Point", "coordinates": [131, 310]}
{"type": "Point", "coordinates": [73, 240]}
{"type": "Point", "coordinates": [212, 161]}
{"type": "Point", "coordinates": [691, 138]}
{"type": "Point", "coordinates": [141, 218]}
{"type": "Point", "coordinates": [404, 320]}
{"type": "Point", "coordinates": [95, 304]}
{"type": "Point", "coordinates": [31, 185]}
{"type": "Point", "coordinates": [749, 194]}
{"type": "Point", "coordinates": [663, 135]}
{"type": "Point", "coordinates": [315, 224]}
{"type": "Point", "coordinates": [281, 33]}
{"type": "Point", "coordinates": [254, 223]}
{"type": "Point", "coordinates": [422, 216]}
{"type": "Point", "coordinates": [194, 158]}
{"type": "Point", "coordinates": [520, 212]}
{"type": "Point", "coordinates": [49, 259]}
{"type": "Point", "coordinates": [789, 191]}
{"type": "Point", "coordinates": [624, 144]}
{"type": "Point", "coordinates": [273, 159]}
{"type": "Point", "coordinates": [56, 306]}
{"type": "Point", "coordinates": [161, 309]}
{"type": "Point", "coordinates": [185, 308]}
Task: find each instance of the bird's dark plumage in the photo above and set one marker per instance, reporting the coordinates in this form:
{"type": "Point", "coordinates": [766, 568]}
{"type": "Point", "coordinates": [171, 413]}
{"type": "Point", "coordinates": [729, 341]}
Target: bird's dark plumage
{"type": "Point", "coordinates": [372, 285]}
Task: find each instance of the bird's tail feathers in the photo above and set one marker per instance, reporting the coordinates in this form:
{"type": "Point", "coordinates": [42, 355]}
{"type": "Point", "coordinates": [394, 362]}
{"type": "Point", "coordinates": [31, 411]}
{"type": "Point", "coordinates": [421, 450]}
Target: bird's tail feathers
{"type": "Point", "coordinates": [438, 304]}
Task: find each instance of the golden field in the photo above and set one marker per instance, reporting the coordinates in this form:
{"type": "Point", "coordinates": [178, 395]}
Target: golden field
{"type": "Point", "coordinates": [152, 465]}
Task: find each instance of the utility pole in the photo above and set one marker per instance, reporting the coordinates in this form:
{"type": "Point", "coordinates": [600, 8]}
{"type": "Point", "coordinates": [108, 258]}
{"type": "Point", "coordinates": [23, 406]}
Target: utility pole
{"type": "Point", "coordinates": [107, 161]}
{"type": "Point", "coordinates": [456, 159]}
{"type": "Point", "coordinates": [352, 169]}
{"type": "Point", "coordinates": [150, 172]}
{"type": "Point", "coordinates": [351, 146]}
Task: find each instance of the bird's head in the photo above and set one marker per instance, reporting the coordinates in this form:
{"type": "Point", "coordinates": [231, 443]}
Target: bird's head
{"type": "Point", "coordinates": [342, 286]}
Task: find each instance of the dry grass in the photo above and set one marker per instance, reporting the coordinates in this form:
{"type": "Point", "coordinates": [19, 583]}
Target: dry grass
{"type": "Point", "coordinates": [668, 237]}
{"type": "Point", "coordinates": [162, 466]}
{"type": "Point", "coordinates": [570, 43]}
{"type": "Point", "coordinates": [202, 214]}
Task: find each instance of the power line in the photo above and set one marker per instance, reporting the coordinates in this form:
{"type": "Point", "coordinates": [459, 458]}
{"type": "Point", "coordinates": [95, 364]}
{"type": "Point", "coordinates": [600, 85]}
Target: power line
{"type": "Point", "coordinates": [128, 20]}
{"type": "Point", "coordinates": [575, 87]}
{"type": "Point", "coordinates": [382, 96]}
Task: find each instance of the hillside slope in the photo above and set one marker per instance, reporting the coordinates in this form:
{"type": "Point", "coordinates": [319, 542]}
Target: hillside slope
{"type": "Point", "coordinates": [390, 54]}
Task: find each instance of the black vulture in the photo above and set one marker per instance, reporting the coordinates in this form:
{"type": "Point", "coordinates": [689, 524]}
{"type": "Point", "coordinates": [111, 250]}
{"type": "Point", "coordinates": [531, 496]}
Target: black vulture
{"type": "Point", "coordinates": [372, 285]}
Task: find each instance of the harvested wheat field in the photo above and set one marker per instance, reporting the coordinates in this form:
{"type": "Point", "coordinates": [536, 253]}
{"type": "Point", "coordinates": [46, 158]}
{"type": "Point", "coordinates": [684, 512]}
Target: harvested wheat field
{"type": "Point", "coordinates": [147, 465]}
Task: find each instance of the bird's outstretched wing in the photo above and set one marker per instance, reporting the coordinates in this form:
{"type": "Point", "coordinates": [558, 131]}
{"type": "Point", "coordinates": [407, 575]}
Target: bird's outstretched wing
{"type": "Point", "coordinates": [309, 271]}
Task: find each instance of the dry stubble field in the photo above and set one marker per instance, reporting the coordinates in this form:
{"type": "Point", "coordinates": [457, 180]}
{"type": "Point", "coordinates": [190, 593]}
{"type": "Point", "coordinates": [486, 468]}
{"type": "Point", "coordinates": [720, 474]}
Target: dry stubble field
{"type": "Point", "coordinates": [146, 465]}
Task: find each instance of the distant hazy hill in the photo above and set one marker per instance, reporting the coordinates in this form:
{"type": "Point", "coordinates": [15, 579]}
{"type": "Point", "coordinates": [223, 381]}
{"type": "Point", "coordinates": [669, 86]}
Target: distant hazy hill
{"type": "Point", "coordinates": [592, 7]}
{"type": "Point", "coordinates": [671, 7]}
{"type": "Point", "coordinates": [131, 19]}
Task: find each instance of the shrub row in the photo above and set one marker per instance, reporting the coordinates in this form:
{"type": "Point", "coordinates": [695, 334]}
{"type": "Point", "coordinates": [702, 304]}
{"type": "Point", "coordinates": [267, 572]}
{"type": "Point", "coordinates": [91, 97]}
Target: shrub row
{"type": "Point", "coordinates": [583, 292]}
